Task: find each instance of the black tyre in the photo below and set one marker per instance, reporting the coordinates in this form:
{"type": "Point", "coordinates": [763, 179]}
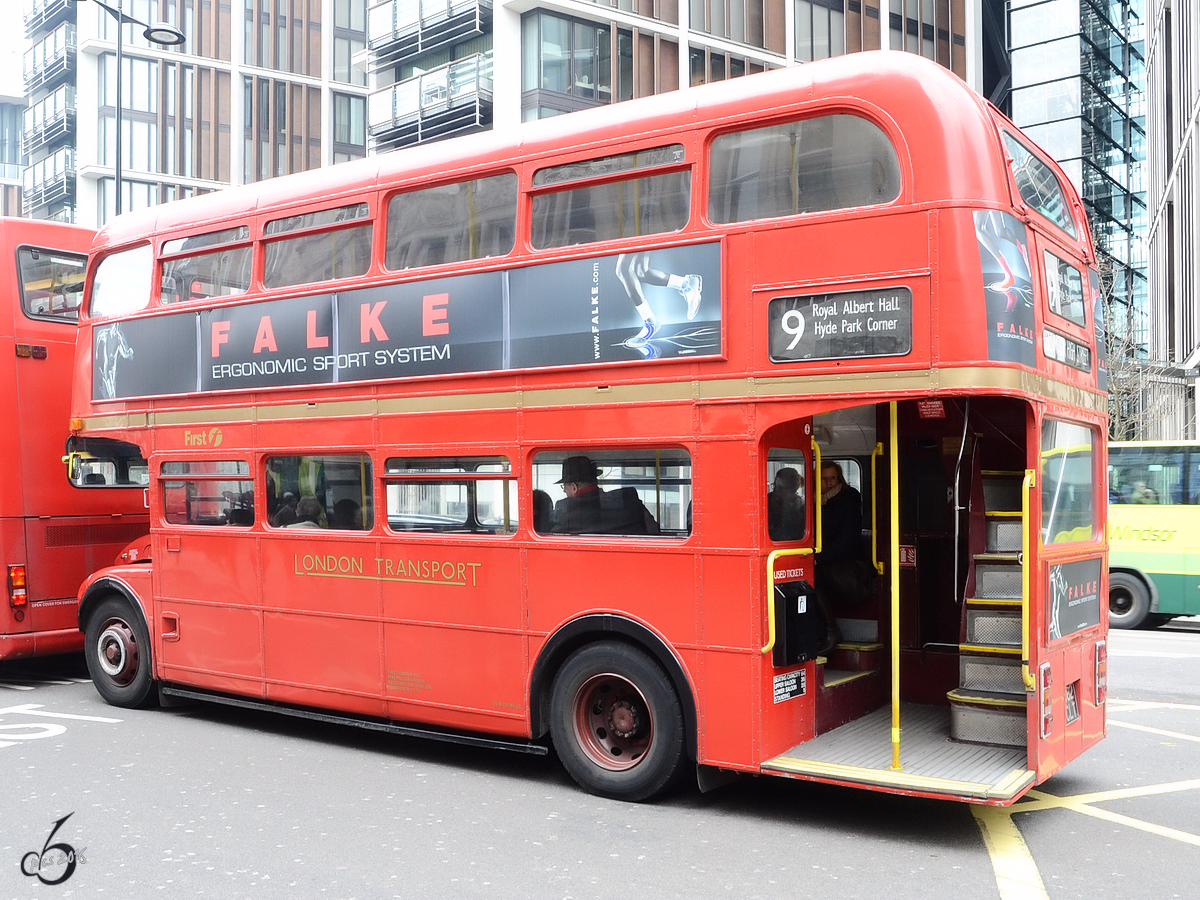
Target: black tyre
{"type": "Point", "coordinates": [1128, 600]}
{"type": "Point", "coordinates": [616, 722]}
{"type": "Point", "coordinates": [117, 649]}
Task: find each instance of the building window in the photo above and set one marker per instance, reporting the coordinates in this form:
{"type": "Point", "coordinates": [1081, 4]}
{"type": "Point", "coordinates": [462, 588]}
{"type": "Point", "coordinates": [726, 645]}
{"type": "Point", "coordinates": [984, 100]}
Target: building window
{"type": "Point", "coordinates": [567, 64]}
{"type": "Point", "coordinates": [820, 29]}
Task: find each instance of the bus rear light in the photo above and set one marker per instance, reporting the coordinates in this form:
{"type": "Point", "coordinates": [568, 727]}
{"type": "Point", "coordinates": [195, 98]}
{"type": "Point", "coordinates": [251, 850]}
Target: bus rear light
{"type": "Point", "coordinates": [1101, 672]}
{"type": "Point", "coordinates": [1047, 699]}
{"type": "Point", "coordinates": [17, 597]}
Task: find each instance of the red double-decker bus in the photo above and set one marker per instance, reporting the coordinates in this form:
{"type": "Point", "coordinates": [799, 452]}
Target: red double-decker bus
{"type": "Point", "coordinates": [520, 435]}
{"type": "Point", "coordinates": [53, 535]}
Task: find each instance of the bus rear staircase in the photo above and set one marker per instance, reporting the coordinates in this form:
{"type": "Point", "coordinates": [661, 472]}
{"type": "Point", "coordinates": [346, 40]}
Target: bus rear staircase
{"type": "Point", "coordinates": [973, 748]}
{"type": "Point", "coordinates": [989, 704]}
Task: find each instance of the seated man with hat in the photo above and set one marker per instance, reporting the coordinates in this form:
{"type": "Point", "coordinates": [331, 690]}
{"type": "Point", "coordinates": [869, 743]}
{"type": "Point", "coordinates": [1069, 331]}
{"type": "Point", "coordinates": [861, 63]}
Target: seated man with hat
{"type": "Point", "coordinates": [588, 510]}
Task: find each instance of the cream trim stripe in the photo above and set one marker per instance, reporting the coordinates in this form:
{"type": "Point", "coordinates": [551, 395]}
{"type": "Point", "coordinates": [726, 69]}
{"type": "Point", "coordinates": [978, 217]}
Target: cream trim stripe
{"type": "Point", "coordinates": [782, 388]}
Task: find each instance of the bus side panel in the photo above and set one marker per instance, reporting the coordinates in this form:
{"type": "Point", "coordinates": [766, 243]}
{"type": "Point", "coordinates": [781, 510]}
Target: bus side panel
{"type": "Point", "coordinates": [728, 711]}
{"type": "Point", "coordinates": [64, 550]}
{"type": "Point", "coordinates": [12, 540]}
{"type": "Point", "coordinates": [322, 636]}
{"type": "Point", "coordinates": [729, 624]}
{"type": "Point", "coordinates": [207, 598]}
{"type": "Point", "coordinates": [453, 640]}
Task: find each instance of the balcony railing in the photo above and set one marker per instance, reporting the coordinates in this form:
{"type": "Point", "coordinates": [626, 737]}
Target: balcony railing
{"type": "Point", "coordinates": [401, 29]}
{"type": "Point", "coordinates": [452, 99]}
{"type": "Point", "coordinates": [51, 58]}
{"type": "Point", "coordinates": [51, 120]}
{"type": "Point", "coordinates": [49, 180]}
{"type": "Point", "coordinates": [45, 14]}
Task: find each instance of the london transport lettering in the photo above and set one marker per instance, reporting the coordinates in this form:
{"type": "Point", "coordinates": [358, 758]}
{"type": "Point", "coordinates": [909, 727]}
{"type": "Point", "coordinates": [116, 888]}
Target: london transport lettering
{"type": "Point", "coordinates": [424, 571]}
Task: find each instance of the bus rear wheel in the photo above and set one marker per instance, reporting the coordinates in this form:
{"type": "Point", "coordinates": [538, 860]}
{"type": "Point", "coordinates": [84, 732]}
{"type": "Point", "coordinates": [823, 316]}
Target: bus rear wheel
{"type": "Point", "coordinates": [117, 649]}
{"type": "Point", "coordinates": [617, 723]}
{"type": "Point", "coordinates": [1128, 601]}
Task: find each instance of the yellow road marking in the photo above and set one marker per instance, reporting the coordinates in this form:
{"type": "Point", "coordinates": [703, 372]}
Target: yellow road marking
{"type": "Point", "coordinates": [1081, 804]}
{"type": "Point", "coordinates": [1017, 876]}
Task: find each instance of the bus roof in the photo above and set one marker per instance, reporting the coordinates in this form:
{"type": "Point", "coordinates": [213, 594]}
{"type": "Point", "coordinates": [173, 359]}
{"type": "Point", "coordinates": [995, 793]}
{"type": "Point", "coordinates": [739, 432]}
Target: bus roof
{"type": "Point", "coordinates": [930, 113]}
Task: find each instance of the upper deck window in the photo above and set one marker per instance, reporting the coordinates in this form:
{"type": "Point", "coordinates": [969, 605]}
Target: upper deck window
{"type": "Point", "coordinates": [51, 283]}
{"type": "Point", "coordinates": [452, 222]}
{"type": "Point", "coordinates": [332, 245]}
{"type": "Point", "coordinates": [122, 282]}
{"type": "Point", "coordinates": [654, 204]}
{"type": "Point", "coordinates": [194, 275]}
{"type": "Point", "coordinates": [812, 165]}
{"type": "Point", "coordinates": [670, 155]}
{"type": "Point", "coordinates": [1064, 289]}
{"type": "Point", "coordinates": [1039, 186]}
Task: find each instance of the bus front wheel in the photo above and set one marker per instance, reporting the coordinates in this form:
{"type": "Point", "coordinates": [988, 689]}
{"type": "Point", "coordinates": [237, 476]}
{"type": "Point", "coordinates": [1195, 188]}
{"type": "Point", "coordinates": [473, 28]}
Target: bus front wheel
{"type": "Point", "coordinates": [117, 649]}
{"type": "Point", "coordinates": [1128, 600]}
{"type": "Point", "coordinates": [616, 722]}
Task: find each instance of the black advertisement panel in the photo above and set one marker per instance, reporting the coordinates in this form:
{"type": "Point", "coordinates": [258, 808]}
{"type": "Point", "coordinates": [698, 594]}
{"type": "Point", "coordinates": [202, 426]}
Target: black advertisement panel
{"type": "Point", "coordinates": [1007, 287]}
{"type": "Point", "coordinates": [1073, 598]}
{"type": "Point", "coordinates": [654, 304]}
{"type": "Point", "coordinates": [144, 356]}
{"type": "Point", "coordinates": [436, 327]}
{"type": "Point", "coordinates": [840, 326]}
{"type": "Point", "coordinates": [281, 342]}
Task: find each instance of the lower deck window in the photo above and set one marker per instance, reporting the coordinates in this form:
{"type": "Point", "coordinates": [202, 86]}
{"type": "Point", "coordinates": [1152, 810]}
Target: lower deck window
{"type": "Point", "coordinates": [208, 492]}
{"type": "Point", "coordinates": [320, 492]}
{"type": "Point", "coordinates": [451, 495]}
{"type": "Point", "coordinates": [613, 492]}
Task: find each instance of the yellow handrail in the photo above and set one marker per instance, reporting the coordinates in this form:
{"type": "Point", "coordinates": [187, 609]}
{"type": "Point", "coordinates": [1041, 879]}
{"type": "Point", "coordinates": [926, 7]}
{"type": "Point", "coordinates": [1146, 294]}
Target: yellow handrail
{"type": "Point", "coordinates": [894, 563]}
{"type": "Point", "coordinates": [817, 468]}
{"type": "Point", "coordinates": [774, 555]}
{"type": "Point", "coordinates": [875, 454]}
{"type": "Point", "coordinates": [1027, 485]}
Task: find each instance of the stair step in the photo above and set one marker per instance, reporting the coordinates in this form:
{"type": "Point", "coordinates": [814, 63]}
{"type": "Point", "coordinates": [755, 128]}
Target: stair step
{"type": "Point", "coordinates": [995, 627]}
{"type": "Point", "coordinates": [1004, 534]}
{"type": "Point", "coordinates": [994, 581]}
{"type": "Point", "coordinates": [986, 717]}
{"type": "Point", "coordinates": [990, 673]}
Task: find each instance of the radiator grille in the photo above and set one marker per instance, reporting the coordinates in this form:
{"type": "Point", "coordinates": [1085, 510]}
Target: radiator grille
{"type": "Point", "coordinates": [120, 533]}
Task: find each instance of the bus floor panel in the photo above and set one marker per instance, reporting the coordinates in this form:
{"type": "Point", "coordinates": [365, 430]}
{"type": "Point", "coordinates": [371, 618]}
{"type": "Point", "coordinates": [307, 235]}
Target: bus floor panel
{"type": "Point", "coordinates": [860, 752]}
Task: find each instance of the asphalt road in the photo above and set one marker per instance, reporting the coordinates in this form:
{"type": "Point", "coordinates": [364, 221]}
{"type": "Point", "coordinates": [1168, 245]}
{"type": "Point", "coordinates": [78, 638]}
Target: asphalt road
{"type": "Point", "coordinates": [213, 802]}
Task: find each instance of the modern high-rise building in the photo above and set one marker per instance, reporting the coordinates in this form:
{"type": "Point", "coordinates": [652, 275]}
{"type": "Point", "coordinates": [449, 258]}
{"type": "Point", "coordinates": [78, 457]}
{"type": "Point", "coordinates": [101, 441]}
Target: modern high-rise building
{"type": "Point", "coordinates": [444, 67]}
{"type": "Point", "coordinates": [1078, 89]}
{"type": "Point", "coordinates": [12, 154]}
{"type": "Point", "coordinates": [1173, 72]}
{"type": "Point", "coordinates": [258, 88]}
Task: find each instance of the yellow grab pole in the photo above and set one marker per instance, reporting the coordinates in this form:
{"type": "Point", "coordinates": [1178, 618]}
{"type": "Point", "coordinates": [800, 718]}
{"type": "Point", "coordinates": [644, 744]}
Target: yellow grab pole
{"type": "Point", "coordinates": [894, 563]}
{"type": "Point", "coordinates": [1027, 485]}
{"type": "Point", "coordinates": [875, 561]}
{"type": "Point", "coordinates": [817, 466]}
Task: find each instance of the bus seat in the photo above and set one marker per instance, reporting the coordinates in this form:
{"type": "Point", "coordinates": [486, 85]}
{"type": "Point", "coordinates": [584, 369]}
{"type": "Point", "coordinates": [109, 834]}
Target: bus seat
{"type": "Point", "coordinates": [94, 478]}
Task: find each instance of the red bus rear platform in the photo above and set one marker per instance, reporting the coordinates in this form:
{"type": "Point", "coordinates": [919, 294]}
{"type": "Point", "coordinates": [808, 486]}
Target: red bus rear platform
{"type": "Point", "coordinates": [859, 753]}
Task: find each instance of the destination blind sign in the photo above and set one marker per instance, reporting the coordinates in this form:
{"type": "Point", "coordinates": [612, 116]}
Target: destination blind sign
{"type": "Point", "coordinates": [841, 326]}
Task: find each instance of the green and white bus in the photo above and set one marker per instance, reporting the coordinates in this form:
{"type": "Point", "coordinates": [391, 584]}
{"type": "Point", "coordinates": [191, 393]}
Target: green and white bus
{"type": "Point", "coordinates": [1153, 532]}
